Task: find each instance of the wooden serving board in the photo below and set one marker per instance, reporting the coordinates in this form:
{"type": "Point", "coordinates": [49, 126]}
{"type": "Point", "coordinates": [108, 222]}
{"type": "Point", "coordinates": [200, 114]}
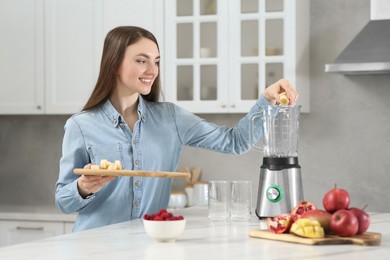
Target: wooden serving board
{"type": "Point", "coordinates": [365, 239]}
{"type": "Point", "coordinates": [132, 173]}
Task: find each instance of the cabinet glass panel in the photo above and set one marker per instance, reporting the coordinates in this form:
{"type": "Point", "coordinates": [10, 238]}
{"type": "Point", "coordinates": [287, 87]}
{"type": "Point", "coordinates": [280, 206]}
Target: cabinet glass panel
{"type": "Point", "coordinates": [208, 40]}
{"type": "Point", "coordinates": [184, 8]}
{"type": "Point", "coordinates": [274, 37]}
{"type": "Point", "coordinates": [274, 5]}
{"type": "Point", "coordinates": [208, 82]}
{"type": "Point", "coordinates": [273, 72]}
{"type": "Point", "coordinates": [249, 38]}
{"type": "Point", "coordinates": [249, 81]}
{"type": "Point", "coordinates": [208, 7]}
{"type": "Point", "coordinates": [185, 85]}
{"type": "Point", "coordinates": [249, 6]}
{"type": "Point", "coordinates": [185, 40]}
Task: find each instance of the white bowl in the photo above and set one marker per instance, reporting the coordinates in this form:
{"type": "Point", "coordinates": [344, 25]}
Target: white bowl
{"type": "Point", "coordinates": [164, 231]}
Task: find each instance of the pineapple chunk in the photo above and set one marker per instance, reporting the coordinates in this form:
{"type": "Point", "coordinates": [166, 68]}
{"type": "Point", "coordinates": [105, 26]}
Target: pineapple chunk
{"type": "Point", "coordinates": [307, 228]}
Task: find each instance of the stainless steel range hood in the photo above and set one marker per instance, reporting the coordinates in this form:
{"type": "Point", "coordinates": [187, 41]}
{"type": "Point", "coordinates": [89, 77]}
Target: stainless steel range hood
{"type": "Point", "coordinates": [369, 51]}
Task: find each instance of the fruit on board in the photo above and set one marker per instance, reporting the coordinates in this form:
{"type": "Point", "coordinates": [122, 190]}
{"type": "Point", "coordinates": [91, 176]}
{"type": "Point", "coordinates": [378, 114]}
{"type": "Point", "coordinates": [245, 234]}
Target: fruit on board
{"type": "Point", "coordinates": [321, 216]}
{"type": "Point", "coordinates": [363, 219]}
{"type": "Point", "coordinates": [301, 208]}
{"type": "Point", "coordinates": [344, 223]}
{"type": "Point", "coordinates": [105, 165]}
{"type": "Point", "coordinates": [305, 227]}
{"type": "Point", "coordinates": [280, 224]}
{"type": "Point", "coordinates": [336, 199]}
{"type": "Point", "coordinates": [162, 215]}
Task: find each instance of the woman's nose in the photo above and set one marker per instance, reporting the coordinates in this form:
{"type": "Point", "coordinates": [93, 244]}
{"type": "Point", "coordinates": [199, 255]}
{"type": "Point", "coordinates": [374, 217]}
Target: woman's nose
{"type": "Point", "coordinates": [152, 68]}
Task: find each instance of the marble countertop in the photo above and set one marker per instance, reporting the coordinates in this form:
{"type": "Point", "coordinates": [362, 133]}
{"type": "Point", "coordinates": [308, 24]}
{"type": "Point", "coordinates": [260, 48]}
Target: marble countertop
{"type": "Point", "coordinates": [201, 239]}
{"type": "Point", "coordinates": [34, 213]}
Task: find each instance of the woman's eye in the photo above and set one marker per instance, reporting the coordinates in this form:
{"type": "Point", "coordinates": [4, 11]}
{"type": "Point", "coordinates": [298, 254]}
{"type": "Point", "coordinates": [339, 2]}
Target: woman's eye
{"type": "Point", "coordinates": [157, 63]}
{"type": "Point", "coordinates": [141, 61]}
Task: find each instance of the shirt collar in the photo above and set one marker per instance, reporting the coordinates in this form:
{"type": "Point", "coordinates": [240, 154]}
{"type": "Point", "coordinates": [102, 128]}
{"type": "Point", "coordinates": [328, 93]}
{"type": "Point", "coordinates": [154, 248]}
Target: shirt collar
{"type": "Point", "coordinates": [115, 117]}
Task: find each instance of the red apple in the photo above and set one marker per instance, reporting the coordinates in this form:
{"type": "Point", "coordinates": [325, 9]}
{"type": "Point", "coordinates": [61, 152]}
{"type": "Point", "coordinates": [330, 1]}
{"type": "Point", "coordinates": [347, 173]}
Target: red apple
{"type": "Point", "coordinates": [344, 223]}
{"type": "Point", "coordinates": [336, 199]}
{"type": "Point", "coordinates": [321, 216]}
{"type": "Point", "coordinates": [363, 219]}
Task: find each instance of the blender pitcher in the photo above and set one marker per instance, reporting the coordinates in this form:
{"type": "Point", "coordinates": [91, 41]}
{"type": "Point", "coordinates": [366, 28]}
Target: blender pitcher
{"type": "Point", "coordinates": [280, 184]}
{"type": "Point", "coordinates": [280, 130]}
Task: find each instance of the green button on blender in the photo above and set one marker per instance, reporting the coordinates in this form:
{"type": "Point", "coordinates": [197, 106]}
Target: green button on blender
{"type": "Point", "coordinates": [274, 193]}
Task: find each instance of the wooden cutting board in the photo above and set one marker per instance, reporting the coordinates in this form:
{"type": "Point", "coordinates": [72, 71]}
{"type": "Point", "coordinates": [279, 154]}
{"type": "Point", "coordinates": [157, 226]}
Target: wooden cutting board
{"type": "Point", "coordinates": [132, 173]}
{"type": "Point", "coordinates": [366, 239]}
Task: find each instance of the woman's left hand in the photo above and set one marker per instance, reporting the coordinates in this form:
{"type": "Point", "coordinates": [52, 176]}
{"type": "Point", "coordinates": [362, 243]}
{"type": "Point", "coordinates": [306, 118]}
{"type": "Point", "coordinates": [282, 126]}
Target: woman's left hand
{"type": "Point", "coordinates": [271, 93]}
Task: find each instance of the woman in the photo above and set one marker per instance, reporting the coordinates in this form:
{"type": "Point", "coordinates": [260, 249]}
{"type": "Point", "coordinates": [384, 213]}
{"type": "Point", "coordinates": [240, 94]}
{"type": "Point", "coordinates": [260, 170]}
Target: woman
{"type": "Point", "coordinates": [124, 120]}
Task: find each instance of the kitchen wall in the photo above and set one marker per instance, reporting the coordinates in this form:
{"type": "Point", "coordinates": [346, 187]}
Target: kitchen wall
{"type": "Point", "coordinates": [344, 139]}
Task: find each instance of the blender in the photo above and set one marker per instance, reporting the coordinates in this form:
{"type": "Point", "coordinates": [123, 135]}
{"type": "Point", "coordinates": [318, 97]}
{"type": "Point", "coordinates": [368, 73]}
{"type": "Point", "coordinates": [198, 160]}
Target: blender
{"type": "Point", "coordinates": [280, 182]}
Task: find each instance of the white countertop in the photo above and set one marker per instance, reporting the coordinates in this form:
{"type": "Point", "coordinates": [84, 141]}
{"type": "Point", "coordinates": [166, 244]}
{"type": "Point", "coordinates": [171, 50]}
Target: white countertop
{"type": "Point", "coordinates": [34, 213]}
{"type": "Point", "coordinates": [201, 239]}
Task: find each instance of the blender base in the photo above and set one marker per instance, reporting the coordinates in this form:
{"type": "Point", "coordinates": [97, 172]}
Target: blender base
{"type": "Point", "coordinates": [279, 191]}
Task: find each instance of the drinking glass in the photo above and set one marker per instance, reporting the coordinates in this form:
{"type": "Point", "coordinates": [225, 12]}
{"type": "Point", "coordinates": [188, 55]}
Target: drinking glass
{"type": "Point", "coordinates": [241, 200]}
{"type": "Point", "coordinates": [219, 199]}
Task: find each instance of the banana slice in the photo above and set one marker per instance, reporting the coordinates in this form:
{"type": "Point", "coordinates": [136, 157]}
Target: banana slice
{"type": "Point", "coordinates": [107, 165]}
{"type": "Point", "coordinates": [283, 99]}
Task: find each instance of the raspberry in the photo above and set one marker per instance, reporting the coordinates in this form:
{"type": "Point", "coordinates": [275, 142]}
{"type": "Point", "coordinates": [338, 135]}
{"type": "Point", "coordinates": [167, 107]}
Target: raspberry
{"type": "Point", "coordinates": [158, 218]}
{"type": "Point", "coordinates": [166, 215]}
{"type": "Point", "coordinates": [162, 211]}
{"type": "Point", "coordinates": [162, 215]}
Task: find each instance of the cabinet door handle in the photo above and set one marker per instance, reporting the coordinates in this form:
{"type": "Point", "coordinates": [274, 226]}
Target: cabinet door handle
{"type": "Point", "coordinates": [30, 228]}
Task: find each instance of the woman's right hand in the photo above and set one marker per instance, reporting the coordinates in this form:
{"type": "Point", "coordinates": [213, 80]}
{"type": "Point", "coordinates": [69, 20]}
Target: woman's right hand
{"type": "Point", "coordinates": [271, 93]}
{"type": "Point", "coordinates": [89, 184]}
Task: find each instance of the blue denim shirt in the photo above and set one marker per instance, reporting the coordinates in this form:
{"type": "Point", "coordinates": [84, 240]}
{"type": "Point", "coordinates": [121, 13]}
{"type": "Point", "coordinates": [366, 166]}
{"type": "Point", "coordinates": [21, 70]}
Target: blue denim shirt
{"type": "Point", "coordinates": [156, 142]}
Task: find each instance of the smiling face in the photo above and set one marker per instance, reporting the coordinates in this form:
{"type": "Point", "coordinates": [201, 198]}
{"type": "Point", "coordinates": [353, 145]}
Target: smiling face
{"type": "Point", "coordinates": [139, 67]}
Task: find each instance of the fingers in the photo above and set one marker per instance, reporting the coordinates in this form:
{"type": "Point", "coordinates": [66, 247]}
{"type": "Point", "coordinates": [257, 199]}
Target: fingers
{"type": "Point", "coordinates": [272, 92]}
{"type": "Point", "coordinates": [285, 85]}
{"type": "Point", "coordinates": [91, 184]}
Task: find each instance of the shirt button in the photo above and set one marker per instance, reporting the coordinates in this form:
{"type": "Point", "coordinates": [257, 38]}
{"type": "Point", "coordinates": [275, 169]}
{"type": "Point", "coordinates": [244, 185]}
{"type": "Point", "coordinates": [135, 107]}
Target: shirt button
{"type": "Point", "coordinates": [134, 141]}
{"type": "Point", "coordinates": [135, 203]}
{"type": "Point", "coordinates": [136, 184]}
{"type": "Point", "coordinates": [137, 162]}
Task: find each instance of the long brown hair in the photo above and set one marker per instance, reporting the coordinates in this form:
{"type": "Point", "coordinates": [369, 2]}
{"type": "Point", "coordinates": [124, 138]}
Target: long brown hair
{"type": "Point", "coordinates": [114, 48]}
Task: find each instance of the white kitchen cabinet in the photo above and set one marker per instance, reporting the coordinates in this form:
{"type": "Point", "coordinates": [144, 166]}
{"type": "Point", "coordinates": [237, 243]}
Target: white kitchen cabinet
{"type": "Point", "coordinates": [21, 57]}
{"type": "Point", "coordinates": [220, 55]}
{"type": "Point", "coordinates": [14, 232]}
{"type": "Point", "coordinates": [50, 61]}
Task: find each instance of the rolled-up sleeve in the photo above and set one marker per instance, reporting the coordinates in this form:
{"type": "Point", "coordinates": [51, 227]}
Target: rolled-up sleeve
{"type": "Point", "coordinates": [74, 155]}
{"type": "Point", "coordinates": [196, 132]}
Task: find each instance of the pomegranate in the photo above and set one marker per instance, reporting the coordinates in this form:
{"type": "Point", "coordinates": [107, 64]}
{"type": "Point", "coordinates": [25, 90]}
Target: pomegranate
{"type": "Point", "coordinates": [280, 224]}
{"type": "Point", "coordinates": [301, 208]}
